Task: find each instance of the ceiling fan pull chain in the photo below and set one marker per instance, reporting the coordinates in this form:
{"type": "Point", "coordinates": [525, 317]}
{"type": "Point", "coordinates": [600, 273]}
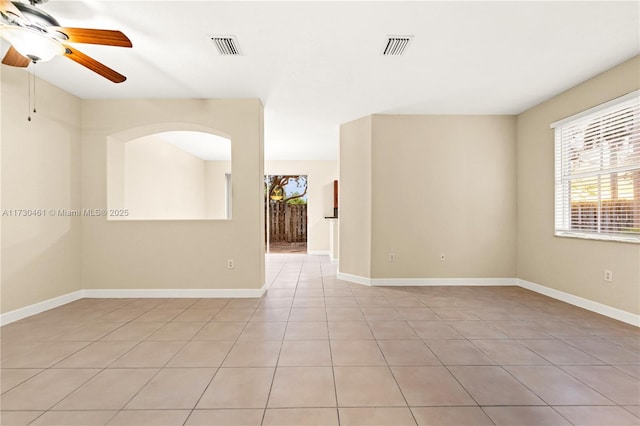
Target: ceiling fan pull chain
{"type": "Point", "coordinates": [28, 96]}
{"type": "Point", "coordinates": [35, 97]}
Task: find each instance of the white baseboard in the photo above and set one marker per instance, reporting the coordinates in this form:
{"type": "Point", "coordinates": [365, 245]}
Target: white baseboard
{"type": "Point", "coordinates": [423, 282]}
{"type": "Point", "coordinates": [205, 293]}
{"type": "Point", "coordinates": [581, 302]}
{"type": "Point", "coordinates": [318, 252]}
{"type": "Point", "coordinates": [39, 307]}
{"type": "Point", "coordinates": [354, 278]}
{"type": "Point", "coordinates": [334, 261]}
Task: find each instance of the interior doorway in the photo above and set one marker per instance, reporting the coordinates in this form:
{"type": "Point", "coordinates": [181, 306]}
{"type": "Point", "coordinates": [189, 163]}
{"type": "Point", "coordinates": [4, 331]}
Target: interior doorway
{"type": "Point", "coordinates": [286, 213]}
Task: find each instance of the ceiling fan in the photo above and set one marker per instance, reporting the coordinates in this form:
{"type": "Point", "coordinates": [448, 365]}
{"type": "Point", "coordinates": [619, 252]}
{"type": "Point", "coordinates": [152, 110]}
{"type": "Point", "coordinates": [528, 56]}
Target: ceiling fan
{"type": "Point", "coordinates": [36, 36]}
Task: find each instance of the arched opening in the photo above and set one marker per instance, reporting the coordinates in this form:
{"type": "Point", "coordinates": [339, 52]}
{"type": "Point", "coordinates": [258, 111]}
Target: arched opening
{"type": "Point", "coordinates": [172, 173]}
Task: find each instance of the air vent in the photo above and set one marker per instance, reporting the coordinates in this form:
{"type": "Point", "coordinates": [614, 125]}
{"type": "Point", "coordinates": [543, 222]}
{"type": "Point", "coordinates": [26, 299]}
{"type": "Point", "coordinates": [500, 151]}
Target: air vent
{"type": "Point", "coordinates": [396, 45]}
{"type": "Point", "coordinates": [226, 45]}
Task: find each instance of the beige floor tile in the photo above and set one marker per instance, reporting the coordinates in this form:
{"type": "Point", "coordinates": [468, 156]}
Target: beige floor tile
{"type": "Point", "coordinates": [367, 387]}
{"type": "Point", "coordinates": [308, 302]}
{"type": "Point", "coordinates": [416, 314]}
{"type": "Point", "coordinates": [633, 409]}
{"type": "Point", "coordinates": [10, 378]}
{"type": "Point", "coordinates": [612, 383]}
{"type": "Point", "coordinates": [121, 383]}
{"type": "Point", "coordinates": [430, 386]}
{"type": "Point", "coordinates": [300, 416]}
{"type": "Point", "coordinates": [18, 418]}
{"type": "Point", "coordinates": [249, 303]}
{"type": "Point", "coordinates": [44, 355]}
{"type": "Point", "coordinates": [376, 416]}
{"type": "Point", "coordinates": [225, 418]}
{"type": "Point", "coordinates": [458, 352]}
{"type": "Point", "coordinates": [173, 388]}
{"type": "Point", "coordinates": [380, 313]}
{"type": "Point", "coordinates": [220, 331]}
{"type": "Point", "coordinates": [210, 303]}
{"type": "Point", "coordinates": [159, 314]}
{"type": "Point", "coordinates": [302, 387]}
{"type": "Point", "coordinates": [407, 352]}
{"type": "Point", "coordinates": [96, 355]}
{"type": "Point", "coordinates": [388, 330]}
{"type": "Point", "coordinates": [306, 331]}
{"type": "Point", "coordinates": [201, 354]}
{"type": "Point", "coordinates": [345, 314]}
{"type": "Point", "coordinates": [234, 314]}
{"type": "Point", "coordinates": [448, 313]}
{"type": "Point", "coordinates": [520, 330]}
{"type": "Point", "coordinates": [451, 416]}
{"type": "Point", "coordinates": [605, 351]}
{"type": "Point", "coordinates": [405, 301]}
{"type": "Point", "coordinates": [509, 352]}
{"type": "Point", "coordinates": [309, 292]}
{"type": "Point", "coordinates": [339, 301]}
{"type": "Point", "coordinates": [271, 314]}
{"type": "Point", "coordinates": [150, 418]}
{"type": "Point", "coordinates": [252, 353]}
{"type": "Point", "coordinates": [88, 332]}
{"type": "Point", "coordinates": [598, 416]}
{"type": "Point", "coordinates": [176, 331]}
{"type": "Point", "coordinates": [308, 314]}
{"type": "Point", "coordinates": [305, 353]}
{"type": "Point", "coordinates": [373, 301]}
{"type": "Point", "coordinates": [133, 332]}
{"type": "Point", "coordinates": [477, 330]}
{"type": "Point", "coordinates": [258, 330]}
{"type": "Point", "coordinates": [149, 355]}
{"type": "Point", "coordinates": [434, 330]}
{"type": "Point", "coordinates": [556, 387]}
{"type": "Point", "coordinates": [560, 353]}
{"type": "Point", "coordinates": [44, 390]}
{"type": "Point", "coordinates": [197, 315]}
{"type": "Point", "coordinates": [356, 353]}
{"type": "Point", "coordinates": [277, 302]}
{"type": "Point", "coordinates": [511, 416]}
{"type": "Point", "coordinates": [238, 388]}
{"type": "Point", "coordinates": [74, 418]}
{"type": "Point", "coordinates": [347, 330]}
{"type": "Point", "coordinates": [494, 386]}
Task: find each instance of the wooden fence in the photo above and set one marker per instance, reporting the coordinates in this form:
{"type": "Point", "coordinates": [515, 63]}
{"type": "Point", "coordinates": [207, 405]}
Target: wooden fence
{"type": "Point", "coordinates": [615, 215]}
{"type": "Point", "coordinates": [288, 223]}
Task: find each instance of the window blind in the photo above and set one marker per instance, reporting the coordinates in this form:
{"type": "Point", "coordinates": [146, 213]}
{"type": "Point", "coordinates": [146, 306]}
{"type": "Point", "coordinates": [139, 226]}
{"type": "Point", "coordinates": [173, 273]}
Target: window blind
{"type": "Point", "coordinates": [597, 172]}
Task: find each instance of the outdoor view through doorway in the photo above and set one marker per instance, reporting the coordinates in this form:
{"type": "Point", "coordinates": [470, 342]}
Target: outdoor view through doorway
{"type": "Point", "coordinates": [286, 213]}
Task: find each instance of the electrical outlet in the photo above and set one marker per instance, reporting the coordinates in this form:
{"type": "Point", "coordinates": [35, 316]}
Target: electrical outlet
{"type": "Point", "coordinates": [230, 264]}
{"type": "Point", "coordinates": [608, 275]}
{"type": "Point", "coordinates": [392, 257]}
{"type": "Point", "coordinates": [442, 256]}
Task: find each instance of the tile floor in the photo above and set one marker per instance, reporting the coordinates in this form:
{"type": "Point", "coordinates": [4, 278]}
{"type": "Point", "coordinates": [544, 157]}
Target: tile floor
{"type": "Point", "coordinates": [319, 351]}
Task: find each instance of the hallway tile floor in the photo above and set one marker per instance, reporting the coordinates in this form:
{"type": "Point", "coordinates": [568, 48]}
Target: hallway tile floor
{"type": "Point", "coordinates": [316, 350]}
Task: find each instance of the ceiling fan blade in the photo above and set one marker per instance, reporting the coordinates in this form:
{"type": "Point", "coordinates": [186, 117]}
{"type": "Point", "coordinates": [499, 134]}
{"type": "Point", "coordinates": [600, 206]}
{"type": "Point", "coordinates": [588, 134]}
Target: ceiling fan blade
{"type": "Point", "coordinates": [93, 36]}
{"type": "Point", "coordinates": [15, 58]}
{"type": "Point", "coordinates": [7, 6]}
{"type": "Point", "coordinates": [93, 65]}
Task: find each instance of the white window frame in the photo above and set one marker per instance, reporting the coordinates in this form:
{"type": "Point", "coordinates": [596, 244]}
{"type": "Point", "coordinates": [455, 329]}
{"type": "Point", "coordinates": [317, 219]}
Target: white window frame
{"type": "Point", "coordinates": [562, 208]}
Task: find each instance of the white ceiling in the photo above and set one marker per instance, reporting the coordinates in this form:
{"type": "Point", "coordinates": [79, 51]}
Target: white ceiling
{"type": "Point", "coordinates": [316, 65]}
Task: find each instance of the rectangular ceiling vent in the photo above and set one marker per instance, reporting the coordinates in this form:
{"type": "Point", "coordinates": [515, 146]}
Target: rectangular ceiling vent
{"type": "Point", "coordinates": [396, 45]}
{"type": "Point", "coordinates": [227, 45]}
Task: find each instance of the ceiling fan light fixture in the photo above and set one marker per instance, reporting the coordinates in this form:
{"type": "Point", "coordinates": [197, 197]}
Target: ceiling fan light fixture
{"type": "Point", "coordinates": [34, 45]}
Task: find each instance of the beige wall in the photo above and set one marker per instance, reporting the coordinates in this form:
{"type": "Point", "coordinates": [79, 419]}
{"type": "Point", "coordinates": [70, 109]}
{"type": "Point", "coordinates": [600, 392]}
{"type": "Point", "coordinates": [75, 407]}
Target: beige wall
{"type": "Point", "coordinates": [443, 184]}
{"type": "Point", "coordinates": [567, 264]}
{"type": "Point", "coordinates": [173, 254]}
{"type": "Point", "coordinates": [216, 188]}
{"type": "Point", "coordinates": [320, 177]}
{"type": "Point", "coordinates": [162, 181]}
{"type": "Point", "coordinates": [418, 186]}
{"type": "Point", "coordinates": [355, 197]}
{"type": "Point", "coordinates": [40, 170]}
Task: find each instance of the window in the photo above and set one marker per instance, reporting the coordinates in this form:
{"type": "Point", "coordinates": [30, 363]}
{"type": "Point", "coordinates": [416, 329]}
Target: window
{"type": "Point", "coordinates": [597, 179]}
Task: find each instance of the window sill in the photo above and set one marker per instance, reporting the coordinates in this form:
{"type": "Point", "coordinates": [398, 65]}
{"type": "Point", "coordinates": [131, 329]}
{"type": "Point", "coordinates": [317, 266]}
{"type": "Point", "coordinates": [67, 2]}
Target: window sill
{"type": "Point", "coordinates": [616, 238]}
